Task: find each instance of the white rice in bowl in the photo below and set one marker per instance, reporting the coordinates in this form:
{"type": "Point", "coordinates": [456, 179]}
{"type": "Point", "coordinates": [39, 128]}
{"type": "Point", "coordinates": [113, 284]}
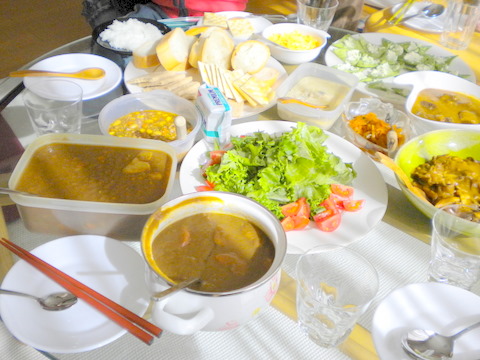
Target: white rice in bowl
{"type": "Point", "coordinates": [130, 34]}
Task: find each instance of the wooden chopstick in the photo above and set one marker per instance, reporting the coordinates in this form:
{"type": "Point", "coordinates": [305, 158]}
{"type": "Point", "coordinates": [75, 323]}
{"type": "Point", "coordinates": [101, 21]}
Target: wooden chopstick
{"type": "Point", "coordinates": [122, 316]}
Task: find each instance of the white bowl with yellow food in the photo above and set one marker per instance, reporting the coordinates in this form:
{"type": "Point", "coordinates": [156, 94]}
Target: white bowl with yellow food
{"type": "Point", "coordinates": [298, 43]}
{"type": "Point", "coordinates": [158, 115]}
{"type": "Point", "coordinates": [441, 101]}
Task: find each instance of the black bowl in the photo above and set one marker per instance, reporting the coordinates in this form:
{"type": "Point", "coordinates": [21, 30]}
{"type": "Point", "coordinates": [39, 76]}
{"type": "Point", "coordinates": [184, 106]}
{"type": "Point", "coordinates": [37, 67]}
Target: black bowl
{"type": "Point", "coordinates": [98, 30]}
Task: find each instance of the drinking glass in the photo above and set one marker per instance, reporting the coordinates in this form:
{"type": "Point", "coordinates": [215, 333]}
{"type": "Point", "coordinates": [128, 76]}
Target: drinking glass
{"type": "Point", "coordinates": [54, 106]}
{"type": "Point", "coordinates": [456, 246]}
{"type": "Point", "coordinates": [316, 13]}
{"type": "Point", "coordinates": [335, 285]}
{"type": "Point", "coordinates": [461, 19]}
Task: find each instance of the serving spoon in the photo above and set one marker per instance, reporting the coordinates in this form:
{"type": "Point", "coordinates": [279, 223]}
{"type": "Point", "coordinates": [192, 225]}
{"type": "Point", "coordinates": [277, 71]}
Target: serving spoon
{"type": "Point", "coordinates": [53, 302]}
{"type": "Point", "coordinates": [85, 74]}
{"type": "Point", "coordinates": [429, 345]}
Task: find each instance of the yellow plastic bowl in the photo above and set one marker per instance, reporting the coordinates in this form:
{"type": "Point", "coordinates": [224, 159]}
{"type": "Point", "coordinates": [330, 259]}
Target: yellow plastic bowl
{"type": "Point", "coordinates": [422, 148]}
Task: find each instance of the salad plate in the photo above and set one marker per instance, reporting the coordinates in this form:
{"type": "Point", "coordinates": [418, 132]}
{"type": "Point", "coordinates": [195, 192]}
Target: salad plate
{"type": "Point", "coordinates": [432, 306]}
{"type": "Point", "coordinates": [131, 72]}
{"type": "Point", "coordinates": [369, 185]}
{"type": "Point", "coordinates": [108, 266]}
{"type": "Point", "coordinates": [457, 66]}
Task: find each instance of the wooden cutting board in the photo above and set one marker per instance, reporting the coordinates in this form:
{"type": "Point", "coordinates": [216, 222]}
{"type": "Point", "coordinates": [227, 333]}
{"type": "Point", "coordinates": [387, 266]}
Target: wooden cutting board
{"type": "Point", "coordinates": [6, 258]}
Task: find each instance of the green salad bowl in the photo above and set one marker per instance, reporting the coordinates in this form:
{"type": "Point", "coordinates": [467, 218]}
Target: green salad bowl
{"type": "Point", "coordinates": [462, 143]}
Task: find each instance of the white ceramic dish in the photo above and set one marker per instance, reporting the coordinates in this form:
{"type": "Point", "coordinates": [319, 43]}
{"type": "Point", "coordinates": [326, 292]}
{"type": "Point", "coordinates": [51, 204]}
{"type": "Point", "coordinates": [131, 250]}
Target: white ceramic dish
{"type": "Point", "coordinates": [438, 307]}
{"type": "Point", "coordinates": [368, 184]}
{"type": "Point", "coordinates": [422, 23]}
{"type": "Point", "coordinates": [295, 57]}
{"type": "Point", "coordinates": [376, 38]}
{"type": "Point", "coordinates": [132, 72]}
{"type": "Point", "coordinates": [75, 62]}
{"type": "Point", "coordinates": [421, 80]}
{"type": "Point", "coordinates": [259, 23]}
{"type": "Point", "coordinates": [106, 265]}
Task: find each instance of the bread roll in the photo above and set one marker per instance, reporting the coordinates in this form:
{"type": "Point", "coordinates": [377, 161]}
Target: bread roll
{"type": "Point", "coordinates": [173, 50]}
{"type": "Point", "coordinates": [217, 48]}
{"type": "Point", "coordinates": [250, 56]}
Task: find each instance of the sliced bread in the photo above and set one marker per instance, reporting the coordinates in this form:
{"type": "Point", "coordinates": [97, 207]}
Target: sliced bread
{"type": "Point", "coordinates": [145, 55]}
{"type": "Point", "coordinates": [173, 50]}
{"type": "Point", "coordinates": [217, 48]}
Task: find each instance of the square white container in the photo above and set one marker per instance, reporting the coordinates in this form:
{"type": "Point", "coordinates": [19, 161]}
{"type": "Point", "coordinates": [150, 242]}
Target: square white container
{"type": "Point", "coordinates": [318, 117]}
{"type": "Point", "coordinates": [68, 217]}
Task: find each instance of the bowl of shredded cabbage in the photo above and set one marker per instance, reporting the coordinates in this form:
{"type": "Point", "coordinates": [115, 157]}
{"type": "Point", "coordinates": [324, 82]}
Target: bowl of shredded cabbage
{"type": "Point", "coordinates": [297, 43]}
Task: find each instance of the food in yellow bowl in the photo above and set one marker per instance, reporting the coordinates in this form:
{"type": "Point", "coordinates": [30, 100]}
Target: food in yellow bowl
{"type": "Point", "coordinates": [295, 40]}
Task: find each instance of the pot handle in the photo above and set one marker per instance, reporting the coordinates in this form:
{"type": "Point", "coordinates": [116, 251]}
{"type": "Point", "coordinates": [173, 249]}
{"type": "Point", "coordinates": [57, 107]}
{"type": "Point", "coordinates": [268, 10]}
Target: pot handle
{"type": "Point", "coordinates": [181, 325]}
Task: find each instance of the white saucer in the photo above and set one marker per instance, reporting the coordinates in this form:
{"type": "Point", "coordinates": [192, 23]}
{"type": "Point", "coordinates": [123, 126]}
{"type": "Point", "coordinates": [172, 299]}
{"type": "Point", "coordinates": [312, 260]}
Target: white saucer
{"type": "Point", "coordinates": [434, 25]}
{"type": "Point", "coordinates": [108, 266]}
{"type": "Point", "coordinates": [432, 306]}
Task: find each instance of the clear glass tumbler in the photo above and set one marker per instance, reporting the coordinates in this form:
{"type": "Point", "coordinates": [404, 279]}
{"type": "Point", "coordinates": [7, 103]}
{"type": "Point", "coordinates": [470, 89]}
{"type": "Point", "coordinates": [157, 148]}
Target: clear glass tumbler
{"type": "Point", "coordinates": [335, 285]}
{"type": "Point", "coordinates": [455, 246]}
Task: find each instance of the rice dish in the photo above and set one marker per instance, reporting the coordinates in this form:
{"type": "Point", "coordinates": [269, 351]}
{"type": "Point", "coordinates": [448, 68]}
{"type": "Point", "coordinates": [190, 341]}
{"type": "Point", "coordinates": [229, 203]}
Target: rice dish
{"type": "Point", "coordinates": [130, 34]}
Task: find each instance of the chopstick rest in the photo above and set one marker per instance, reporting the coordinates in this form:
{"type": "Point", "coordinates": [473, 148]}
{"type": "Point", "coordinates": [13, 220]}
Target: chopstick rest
{"type": "Point", "coordinates": [125, 318]}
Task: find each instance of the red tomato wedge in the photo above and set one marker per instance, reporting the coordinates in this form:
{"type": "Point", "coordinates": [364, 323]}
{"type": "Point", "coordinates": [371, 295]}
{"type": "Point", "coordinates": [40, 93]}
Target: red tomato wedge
{"type": "Point", "coordinates": [329, 223]}
{"type": "Point", "coordinates": [297, 215]}
{"type": "Point", "coordinates": [353, 205]}
{"type": "Point", "coordinates": [342, 190]}
{"type": "Point", "coordinates": [204, 188]}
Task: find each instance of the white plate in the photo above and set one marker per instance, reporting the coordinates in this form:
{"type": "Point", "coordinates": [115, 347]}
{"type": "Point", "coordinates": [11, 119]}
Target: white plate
{"type": "Point", "coordinates": [439, 307]}
{"type": "Point", "coordinates": [259, 23]}
{"type": "Point", "coordinates": [376, 38]}
{"type": "Point", "coordinates": [434, 25]}
{"type": "Point", "coordinates": [368, 184]}
{"type": "Point", "coordinates": [75, 62]}
{"type": "Point", "coordinates": [108, 266]}
{"type": "Point", "coordinates": [131, 72]}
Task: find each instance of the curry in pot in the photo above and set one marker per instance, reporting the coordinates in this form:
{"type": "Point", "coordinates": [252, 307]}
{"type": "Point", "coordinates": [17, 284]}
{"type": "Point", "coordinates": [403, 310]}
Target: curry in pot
{"type": "Point", "coordinates": [96, 173]}
{"type": "Point", "coordinates": [225, 251]}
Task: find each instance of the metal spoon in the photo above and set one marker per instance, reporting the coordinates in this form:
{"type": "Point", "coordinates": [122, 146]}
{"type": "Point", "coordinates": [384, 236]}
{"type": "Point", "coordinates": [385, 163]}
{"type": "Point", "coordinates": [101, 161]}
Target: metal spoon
{"type": "Point", "coordinates": [175, 288]}
{"type": "Point", "coordinates": [429, 345]}
{"type": "Point", "coordinates": [430, 11]}
{"type": "Point", "coordinates": [54, 302]}
{"type": "Point", "coordinates": [86, 74]}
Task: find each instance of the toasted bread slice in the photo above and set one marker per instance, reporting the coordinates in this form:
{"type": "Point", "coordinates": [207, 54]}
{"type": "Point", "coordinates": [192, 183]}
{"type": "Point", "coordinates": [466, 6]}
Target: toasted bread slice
{"type": "Point", "coordinates": [250, 56]}
{"type": "Point", "coordinates": [173, 50]}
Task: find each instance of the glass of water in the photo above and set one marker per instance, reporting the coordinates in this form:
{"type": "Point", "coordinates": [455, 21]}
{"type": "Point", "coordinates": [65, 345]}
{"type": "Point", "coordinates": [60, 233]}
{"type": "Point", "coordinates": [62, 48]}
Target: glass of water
{"type": "Point", "coordinates": [335, 285]}
{"type": "Point", "coordinates": [54, 106]}
{"type": "Point", "coordinates": [455, 245]}
{"type": "Point", "coordinates": [316, 13]}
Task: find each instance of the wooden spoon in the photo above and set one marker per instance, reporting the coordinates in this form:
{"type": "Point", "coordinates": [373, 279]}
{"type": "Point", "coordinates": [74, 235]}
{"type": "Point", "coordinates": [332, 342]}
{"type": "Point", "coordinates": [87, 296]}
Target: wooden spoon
{"type": "Point", "coordinates": [85, 74]}
{"type": "Point", "coordinates": [388, 162]}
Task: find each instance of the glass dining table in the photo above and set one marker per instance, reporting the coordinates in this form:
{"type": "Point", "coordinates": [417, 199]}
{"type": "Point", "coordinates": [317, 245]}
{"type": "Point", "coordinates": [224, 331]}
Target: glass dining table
{"type": "Point", "coordinates": [398, 247]}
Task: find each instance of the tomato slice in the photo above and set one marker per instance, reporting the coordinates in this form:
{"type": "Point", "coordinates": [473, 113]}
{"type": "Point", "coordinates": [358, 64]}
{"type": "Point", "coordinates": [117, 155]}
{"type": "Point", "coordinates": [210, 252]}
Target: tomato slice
{"type": "Point", "coordinates": [290, 209]}
{"type": "Point", "coordinates": [216, 156]}
{"type": "Point", "coordinates": [330, 209]}
{"type": "Point", "coordinates": [288, 223]}
{"type": "Point", "coordinates": [300, 222]}
{"type": "Point", "coordinates": [303, 208]}
{"type": "Point", "coordinates": [342, 190]}
{"type": "Point", "coordinates": [329, 223]}
{"type": "Point", "coordinates": [203, 188]}
{"type": "Point", "coordinates": [353, 205]}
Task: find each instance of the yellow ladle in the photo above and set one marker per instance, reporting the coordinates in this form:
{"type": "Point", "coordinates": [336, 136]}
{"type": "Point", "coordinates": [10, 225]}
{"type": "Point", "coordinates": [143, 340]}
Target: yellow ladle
{"type": "Point", "coordinates": [85, 74]}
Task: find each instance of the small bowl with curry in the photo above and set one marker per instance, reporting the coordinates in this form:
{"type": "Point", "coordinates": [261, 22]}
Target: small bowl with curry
{"type": "Point", "coordinates": [295, 43]}
{"type": "Point", "coordinates": [373, 125]}
{"type": "Point", "coordinates": [155, 115]}
{"type": "Point", "coordinates": [441, 101]}
{"type": "Point", "coordinates": [445, 166]}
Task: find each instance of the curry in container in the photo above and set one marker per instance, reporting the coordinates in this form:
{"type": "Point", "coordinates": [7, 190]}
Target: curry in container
{"type": "Point", "coordinates": [226, 252]}
{"type": "Point", "coordinates": [96, 173]}
{"type": "Point", "coordinates": [447, 106]}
